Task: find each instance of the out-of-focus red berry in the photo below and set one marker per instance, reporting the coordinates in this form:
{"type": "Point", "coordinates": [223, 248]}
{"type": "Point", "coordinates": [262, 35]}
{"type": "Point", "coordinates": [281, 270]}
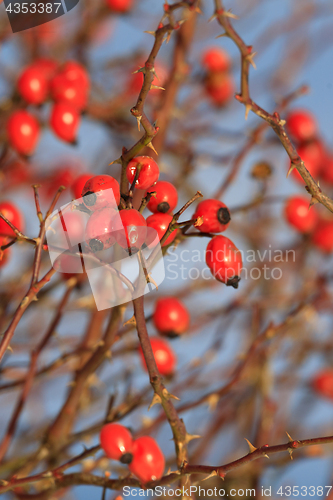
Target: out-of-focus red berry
{"type": "Point", "coordinates": [215, 215]}
{"type": "Point", "coordinates": [164, 356]}
{"type": "Point", "coordinates": [322, 237]}
{"type": "Point", "coordinates": [171, 317]}
{"type": "Point", "coordinates": [312, 154]}
{"type": "Point", "coordinates": [14, 215]}
{"type": "Point", "coordinates": [76, 73]}
{"type": "Point", "coordinates": [323, 383]}
{"type": "Point", "coordinates": [220, 89]}
{"type": "Point", "coordinates": [69, 265]}
{"type": "Point", "coordinates": [165, 199]}
{"type": "Point", "coordinates": [148, 460]}
{"type": "Point", "coordinates": [116, 442]}
{"type": "Point", "coordinates": [136, 79]}
{"type": "Point", "coordinates": [160, 222]}
{"type": "Point", "coordinates": [68, 91]}
{"type": "Point", "coordinates": [149, 171]}
{"type": "Point", "coordinates": [62, 176]}
{"type": "Point", "coordinates": [216, 59]}
{"type": "Point", "coordinates": [298, 214]}
{"type": "Point", "coordinates": [79, 183]}
{"type": "Point", "coordinates": [65, 121]}
{"type": "Point", "coordinates": [101, 191]}
{"type": "Point", "coordinates": [33, 85]}
{"type": "Point", "coordinates": [301, 125]}
{"type": "Point", "coordinates": [119, 6]}
{"type": "Point", "coordinates": [47, 66]}
{"type": "Point", "coordinates": [224, 260]}
{"type": "Point", "coordinates": [23, 132]}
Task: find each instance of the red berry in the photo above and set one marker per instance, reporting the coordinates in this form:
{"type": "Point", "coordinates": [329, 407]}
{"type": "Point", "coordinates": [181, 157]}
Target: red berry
{"type": "Point", "coordinates": [13, 214]}
{"type": "Point", "coordinates": [215, 214]}
{"type": "Point", "coordinates": [71, 92]}
{"type": "Point", "coordinates": [160, 222]}
{"type": "Point", "coordinates": [79, 183]}
{"type": "Point", "coordinates": [101, 191]}
{"type": "Point", "coordinates": [73, 223]}
{"type": "Point", "coordinates": [224, 260]}
{"type": "Point", "coordinates": [299, 215]}
{"type": "Point", "coordinates": [136, 79]}
{"type": "Point", "coordinates": [116, 442]}
{"type": "Point", "coordinates": [216, 59]}
{"type": "Point", "coordinates": [166, 197]}
{"type": "Point", "coordinates": [171, 317]}
{"type": "Point", "coordinates": [312, 154]}
{"type": "Point", "coordinates": [33, 85]}
{"type": "Point", "coordinates": [220, 88]}
{"type": "Point", "coordinates": [69, 265]}
{"type": "Point", "coordinates": [322, 236]}
{"type": "Point", "coordinates": [131, 229]}
{"type": "Point", "coordinates": [164, 356]}
{"type": "Point", "coordinates": [47, 66]}
{"type": "Point", "coordinates": [119, 5]}
{"type": "Point", "coordinates": [148, 460]}
{"type": "Point", "coordinates": [301, 125]}
{"type": "Point", "coordinates": [23, 132]}
{"type": "Point", "coordinates": [76, 73]}
{"type": "Point", "coordinates": [99, 229]}
{"type": "Point", "coordinates": [65, 121]}
{"type": "Point", "coordinates": [323, 383]}
{"type": "Point", "coordinates": [149, 172]}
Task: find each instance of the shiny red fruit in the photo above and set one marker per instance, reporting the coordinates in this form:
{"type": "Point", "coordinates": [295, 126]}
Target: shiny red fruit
{"type": "Point", "coordinates": [69, 265]}
{"type": "Point", "coordinates": [220, 88]}
{"type": "Point", "coordinates": [76, 73]}
{"type": "Point", "coordinates": [160, 222]}
{"type": "Point", "coordinates": [101, 191]}
{"type": "Point", "coordinates": [33, 85]}
{"type": "Point", "coordinates": [216, 59]}
{"type": "Point", "coordinates": [73, 223]}
{"type": "Point", "coordinates": [116, 442]}
{"type": "Point", "coordinates": [149, 171]}
{"type": "Point", "coordinates": [301, 125]}
{"type": "Point", "coordinates": [14, 215]}
{"type": "Point", "coordinates": [166, 197]}
{"type": "Point", "coordinates": [224, 260]}
{"type": "Point", "coordinates": [164, 356]}
{"type": "Point", "coordinates": [65, 121]}
{"type": "Point", "coordinates": [68, 91]}
{"type": "Point", "coordinates": [79, 183]}
{"type": "Point", "coordinates": [171, 317]}
{"type": "Point", "coordinates": [323, 383]}
{"type": "Point", "coordinates": [119, 5]}
{"type": "Point", "coordinates": [23, 132]}
{"type": "Point", "coordinates": [322, 237]}
{"type": "Point", "coordinates": [312, 154]}
{"type": "Point", "coordinates": [47, 66]}
{"type": "Point", "coordinates": [215, 215]}
{"type": "Point", "coordinates": [131, 229]}
{"type": "Point", "coordinates": [148, 460]}
{"type": "Point", "coordinates": [298, 214]}
{"type": "Point", "coordinates": [100, 228]}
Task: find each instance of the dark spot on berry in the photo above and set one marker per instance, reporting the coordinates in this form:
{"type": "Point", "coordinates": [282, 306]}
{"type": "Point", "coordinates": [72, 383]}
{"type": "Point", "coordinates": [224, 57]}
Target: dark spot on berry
{"type": "Point", "coordinates": [233, 281]}
{"type": "Point", "coordinates": [96, 245]}
{"type": "Point", "coordinates": [223, 215]}
{"type": "Point", "coordinates": [126, 458]}
{"type": "Point", "coordinates": [171, 335]}
{"type": "Point", "coordinates": [90, 198]}
{"type": "Point", "coordinates": [163, 207]}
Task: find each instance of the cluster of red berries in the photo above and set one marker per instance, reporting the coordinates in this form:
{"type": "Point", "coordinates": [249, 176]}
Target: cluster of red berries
{"type": "Point", "coordinates": [219, 83]}
{"type": "Point", "coordinates": [303, 129]}
{"type": "Point", "coordinates": [309, 221]}
{"type": "Point", "coordinates": [14, 215]}
{"type": "Point", "coordinates": [68, 86]}
{"type": "Point", "coordinates": [142, 455]}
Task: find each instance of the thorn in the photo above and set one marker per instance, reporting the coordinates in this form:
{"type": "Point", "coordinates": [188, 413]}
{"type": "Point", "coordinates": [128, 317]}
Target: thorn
{"type": "Point", "coordinates": [313, 201]}
{"type": "Point", "coordinates": [156, 400]}
{"type": "Point", "coordinates": [250, 59]}
{"type": "Point", "coordinates": [131, 321]}
{"type": "Point", "coordinates": [140, 70]}
{"type": "Point", "coordinates": [212, 401]}
{"type": "Point", "coordinates": [167, 395]}
{"type": "Point", "coordinates": [138, 119]}
{"type": "Point", "coordinates": [118, 160]}
{"type": "Point", "coordinates": [150, 32]}
{"type": "Point", "coordinates": [10, 349]}
{"type": "Point", "coordinates": [252, 448]}
{"type": "Point", "coordinates": [214, 16]}
{"type": "Point", "coordinates": [222, 34]}
{"type": "Point", "coordinates": [151, 280]}
{"type": "Point", "coordinates": [212, 474]}
{"type": "Point", "coordinates": [228, 13]}
{"type": "Point", "coordinates": [3, 482]}
{"type": "Point", "coordinates": [150, 145]}
{"type": "Point", "coordinates": [248, 108]}
{"type": "Point", "coordinates": [168, 36]}
{"type": "Point", "coordinates": [291, 168]}
{"type": "Point", "coordinates": [71, 384]}
{"type": "Point", "coordinates": [156, 87]}
{"type": "Point", "coordinates": [47, 474]}
{"type": "Point", "coordinates": [198, 10]}
{"type": "Point", "coordinates": [282, 123]}
{"type": "Point", "coordinates": [190, 437]}
{"type": "Point", "coordinates": [289, 437]}
{"type": "Point", "coordinates": [290, 451]}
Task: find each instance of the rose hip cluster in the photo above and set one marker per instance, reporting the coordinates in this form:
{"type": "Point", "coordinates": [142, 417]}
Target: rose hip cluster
{"type": "Point", "coordinates": [219, 83]}
{"type": "Point", "coordinates": [142, 455]}
{"type": "Point", "coordinates": [67, 86]}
